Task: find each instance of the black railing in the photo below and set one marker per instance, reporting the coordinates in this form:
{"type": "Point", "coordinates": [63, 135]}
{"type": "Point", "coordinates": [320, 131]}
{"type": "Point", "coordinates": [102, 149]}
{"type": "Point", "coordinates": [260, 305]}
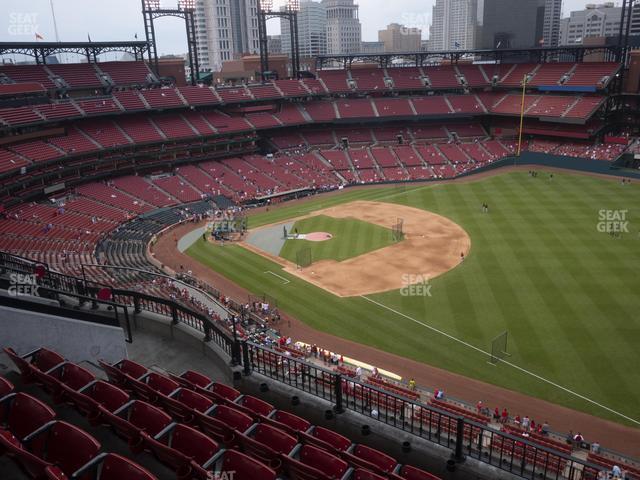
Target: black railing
{"type": "Point", "coordinates": [465, 437]}
{"type": "Point", "coordinates": [67, 284]}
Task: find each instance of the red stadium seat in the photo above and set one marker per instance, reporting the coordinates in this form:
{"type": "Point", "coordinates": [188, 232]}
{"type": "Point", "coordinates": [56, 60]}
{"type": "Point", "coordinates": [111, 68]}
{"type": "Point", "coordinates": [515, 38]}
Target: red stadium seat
{"type": "Point", "coordinates": [120, 373]}
{"type": "Point", "coordinates": [326, 439]}
{"type": "Point", "coordinates": [187, 451]}
{"type": "Point", "coordinates": [267, 444]}
{"type": "Point", "coordinates": [88, 399]}
{"type": "Point", "coordinates": [255, 405]}
{"type": "Point", "coordinates": [223, 422]}
{"type": "Point", "coordinates": [151, 386]}
{"type": "Point", "coordinates": [56, 450]}
{"type": "Point", "coordinates": [64, 378]}
{"type": "Point", "coordinates": [109, 466]}
{"type": "Point", "coordinates": [183, 404]}
{"type": "Point", "coordinates": [136, 416]}
{"type": "Point", "coordinates": [244, 466]}
{"type": "Point", "coordinates": [219, 391]}
{"type": "Point", "coordinates": [41, 359]}
{"type": "Point", "coordinates": [6, 387]}
{"type": "Point", "coordinates": [288, 422]}
{"type": "Point", "coordinates": [370, 459]}
{"type": "Point", "coordinates": [361, 474]}
{"type": "Point", "coordinates": [313, 463]}
{"type": "Point", "coordinates": [191, 379]}
{"type": "Point", "coordinates": [22, 415]}
{"type": "Point", "coordinates": [412, 473]}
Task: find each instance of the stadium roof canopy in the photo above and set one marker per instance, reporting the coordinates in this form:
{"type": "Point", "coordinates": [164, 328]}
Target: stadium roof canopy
{"type": "Point", "coordinates": [41, 50]}
{"type": "Point", "coordinates": [573, 53]}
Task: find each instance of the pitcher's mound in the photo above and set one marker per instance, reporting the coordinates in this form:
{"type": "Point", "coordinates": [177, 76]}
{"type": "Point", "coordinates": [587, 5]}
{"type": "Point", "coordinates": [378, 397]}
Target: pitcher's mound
{"type": "Point", "coordinates": [317, 236]}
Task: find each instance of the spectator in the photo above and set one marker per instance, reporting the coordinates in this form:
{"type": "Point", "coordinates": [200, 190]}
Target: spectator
{"type": "Point", "coordinates": [616, 472]}
{"type": "Point", "coordinates": [479, 407]}
{"type": "Point", "coordinates": [496, 414]}
{"type": "Point", "coordinates": [505, 415]}
{"type": "Point", "coordinates": [595, 447]}
{"type": "Point", "coordinates": [569, 438]}
{"type": "Point", "coordinates": [359, 372]}
{"type": "Point", "coordinates": [578, 439]}
{"type": "Point", "coordinates": [438, 394]}
{"type": "Point", "coordinates": [526, 422]}
{"type": "Point", "coordinates": [517, 420]}
{"type": "Point", "coordinates": [412, 384]}
{"type": "Point", "coordinates": [545, 428]}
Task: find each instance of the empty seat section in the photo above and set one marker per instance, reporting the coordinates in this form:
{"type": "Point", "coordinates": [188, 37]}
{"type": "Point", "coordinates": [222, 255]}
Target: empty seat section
{"type": "Point", "coordinates": [266, 91]}
{"type": "Point", "coordinates": [20, 116]}
{"type": "Point", "coordinates": [474, 75]}
{"type": "Point", "coordinates": [162, 98]}
{"type": "Point", "coordinates": [335, 80]}
{"type": "Point", "coordinates": [314, 86]}
{"type": "Point", "coordinates": [105, 132]}
{"type": "Point", "coordinates": [355, 108]}
{"type": "Point", "coordinates": [262, 120]}
{"type": "Point", "coordinates": [138, 187]}
{"type": "Point", "coordinates": [234, 95]}
{"type": "Point", "coordinates": [441, 76]}
{"type": "Point", "coordinates": [435, 105]}
{"type": "Point", "coordinates": [130, 100]}
{"type": "Point", "coordinates": [77, 75]}
{"type": "Point", "coordinates": [175, 186]}
{"type": "Point", "coordinates": [292, 88]}
{"type": "Point", "coordinates": [290, 114]}
{"type": "Point", "coordinates": [320, 111]}
{"type": "Point", "coordinates": [465, 104]}
{"type": "Point", "coordinates": [28, 73]}
{"type": "Point", "coordinates": [406, 78]}
{"type": "Point", "coordinates": [393, 107]}
{"type": "Point", "coordinates": [550, 74]}
{"type": "Point", "coordinates": [58, 111]}
{"type": "Point", "coordinates": [73, 142]}
{"type": "Point", "coordinates": [101, 106]}
{"type": "Point", "coordinates": [174, 126]}
{"type": "Point", "coordinates": [369, 79]}
{"type": "Point", "coordinates": [199, 95]}
{"type": "Point", "coordinates": [139, 129]}
{"type": "Point", "coordinates": [127, 73]}
{"type": "Point", "coordinates": [111, 196]}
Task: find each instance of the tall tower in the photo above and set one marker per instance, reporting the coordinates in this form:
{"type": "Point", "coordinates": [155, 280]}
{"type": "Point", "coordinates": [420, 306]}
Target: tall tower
{"type": "Point", "coordinates": [453, 25]}
{"type": "Point", "coordinates": [312, 29]}
{"type": "Point", "coordinates": [225, 29]}
{"type": "Point", "coordinates": [551, 26]}
{"type": "Point", "coordinates": [344, 32]}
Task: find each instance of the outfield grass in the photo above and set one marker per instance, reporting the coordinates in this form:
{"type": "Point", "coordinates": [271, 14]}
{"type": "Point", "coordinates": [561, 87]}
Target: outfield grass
{"type": "Point", "coordinates": [538, 267]}
{"type": "Point", "coordinates": [351, 238]}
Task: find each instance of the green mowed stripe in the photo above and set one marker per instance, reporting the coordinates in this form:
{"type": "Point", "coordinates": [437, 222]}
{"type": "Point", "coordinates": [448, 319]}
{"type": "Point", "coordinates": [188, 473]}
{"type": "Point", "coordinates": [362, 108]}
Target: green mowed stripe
{"type": "Point", "coordinates": [539, 268]}
{"type": "Point", "coordinates": [351, 238]}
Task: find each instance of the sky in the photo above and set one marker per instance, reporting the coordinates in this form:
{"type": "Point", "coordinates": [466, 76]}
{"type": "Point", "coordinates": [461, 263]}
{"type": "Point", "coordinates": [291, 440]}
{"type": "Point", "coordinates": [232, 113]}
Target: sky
{"type": "Point", "coordinates": [107, 20]}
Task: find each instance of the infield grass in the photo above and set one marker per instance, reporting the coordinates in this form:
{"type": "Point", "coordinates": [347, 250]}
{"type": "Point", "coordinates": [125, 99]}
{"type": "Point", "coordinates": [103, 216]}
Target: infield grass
{"type": "Point", "coordinates": [568, 295]}
{"type": "Point", "coordinates": [351, 238]}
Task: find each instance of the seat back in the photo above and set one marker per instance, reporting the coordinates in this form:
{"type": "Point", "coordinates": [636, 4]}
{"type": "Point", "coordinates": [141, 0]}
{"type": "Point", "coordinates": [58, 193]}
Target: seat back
{"type": "Point", "coordinates": [383, 461]}
{"type": "Point", "coordinates": [193, 443]}
{"type": "Point", "coordinates": [108, 395]}
{"type": "Point", "coordinates": [323, 461]}
{"type": "Point", "coordinates": [276, 439]}
{"type": "Point", "coordinates": [292, 421]}
{"type": "Point", "coordinates": [115, 467]}
{"type": "Point", "coordinates": [361, 474]}
{"type": "Point", "coordinates": [131, 368]}
{"type": "Point", "coordinates": [25, 367]}
{"type": "Point", "coordinates": [413, 473]}
{"type": "Point", "coordinates": [74, 376]}
{"type": "Point", "coordinates": [116, 376]}
{"type": "Point", "coordinates": [259, 450]}
{"type": "Point", "coordinates": [195, 378]}
{"type": "Point", "coordinates": [232, 418]}
{"type": "Point", "coordinates": [66, 446]}
{"type": "Point", "coordinates": [216, 429]}
{"type": "Point", "coordinates": [45, 359]}
{"type": "Point", "coordinates": [298, 470]}
{"type": "Point", "coordinates": [193, 400]}
{"type": "Point", "coordinates": [27, 414]}
{"type": "Point", "coordinates": [6, 387]}
{"type": "Point", "coordinates": [256, 405]}
{"type": "Point", "coordinates": [246, 467]}
{"type": "Point", "coordinates": [148, 418]}
{"type": "Point", "coordinates": [225, 391]}
{"type": "Point", "coordinates": [161, 384]}
{"type": "Point", "coordinates": [329, 437]}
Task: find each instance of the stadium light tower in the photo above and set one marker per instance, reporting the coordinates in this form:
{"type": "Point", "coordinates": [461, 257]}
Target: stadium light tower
{"type": "Point", "coordinates": [290, 12]}
{"type": "Point", "coordinates": [152, 10]}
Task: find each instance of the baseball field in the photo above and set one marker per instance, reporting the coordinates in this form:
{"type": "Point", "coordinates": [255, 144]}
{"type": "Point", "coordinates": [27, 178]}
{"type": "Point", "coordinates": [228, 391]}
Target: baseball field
{"type": "Point", "coordinates": [545, 263]}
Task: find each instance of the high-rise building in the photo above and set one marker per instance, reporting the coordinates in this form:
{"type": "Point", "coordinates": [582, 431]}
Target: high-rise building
{"type": "Point", "coordinates": [453, 25]}
{"type": "Point", "coordinates": [398, 38]}
{"type": "Point", "coordinates": [274, 44]}
{"type": "Point", "coordinates": [594, 21]}
{"type": "Point", "coordinates": [225, 29]}
{"type": "Point", "coordinates": [312, 30]}
{"type": "Point", "coordinates": [510, 23]}
{"type": "Point", "coordinates": [344, 32]}
{"type": "Point", "coordinates": [635, 20]}
{"type": "Point", "coordinates": [551, 26]}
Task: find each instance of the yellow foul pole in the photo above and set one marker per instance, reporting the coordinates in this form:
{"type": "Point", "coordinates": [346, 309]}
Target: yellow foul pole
{"type": "Point", "coordinates": [524, 89]}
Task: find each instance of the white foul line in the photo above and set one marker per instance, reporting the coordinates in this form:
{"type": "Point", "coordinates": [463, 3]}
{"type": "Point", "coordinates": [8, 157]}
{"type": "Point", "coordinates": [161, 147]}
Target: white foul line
{"type": "Point", "coordinates": [503, 361]}
{"type": "Point", "coordinates": [284, 280]}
